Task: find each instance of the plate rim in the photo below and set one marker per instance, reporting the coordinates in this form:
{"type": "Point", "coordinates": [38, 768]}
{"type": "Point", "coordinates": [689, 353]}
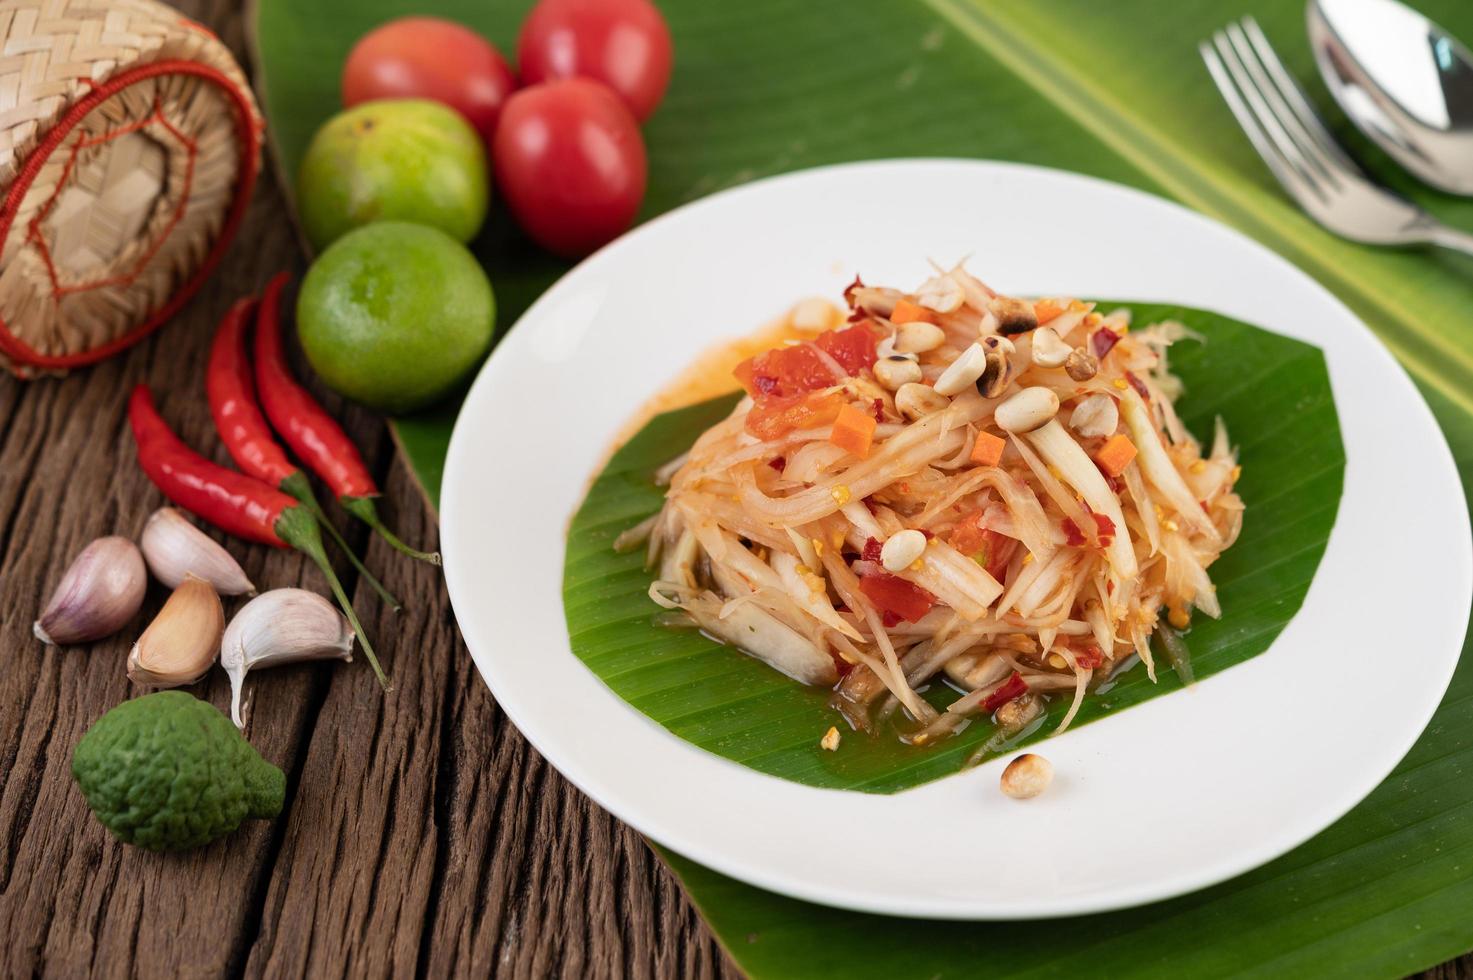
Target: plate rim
{"type": "Point", "coordinates": [1161, 887]}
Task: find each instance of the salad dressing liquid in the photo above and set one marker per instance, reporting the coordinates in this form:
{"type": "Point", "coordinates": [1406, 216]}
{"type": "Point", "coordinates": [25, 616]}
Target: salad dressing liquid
{"type": "Point", "coordinates": [711, 375]}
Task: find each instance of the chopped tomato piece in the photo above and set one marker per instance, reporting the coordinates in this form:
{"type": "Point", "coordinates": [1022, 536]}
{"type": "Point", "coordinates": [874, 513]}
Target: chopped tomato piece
{"type": "Point", "coordinates": [896, 597]}
{"type": "Point", "coordinates": [991, 550]}
{"type": "Point", "coordinates": [784, 373]}
{"type": "Point", "coordinates": [771, 418]}
{"type": "Point", "coordinates": [853, 347]}
{"type": "Point", "coordinates": [1012, 689]}
{"type": "Point", "coordinates": [987, 450]}
{"type": "Point", "coordinates": [907, 312]}
{"type": "Point", "coordinates": [854, 431]}
{"type": "Point", "coordinates": [1089, 658]}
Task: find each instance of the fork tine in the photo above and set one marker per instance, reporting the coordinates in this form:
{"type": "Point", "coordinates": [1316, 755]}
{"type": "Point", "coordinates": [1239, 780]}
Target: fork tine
{"type": "Point", "coordinates": [1294, 96]}
{"type": "Point", "coordinates": [1276, 149]}
{"type": "Point", "coordinates": [1289, 123]}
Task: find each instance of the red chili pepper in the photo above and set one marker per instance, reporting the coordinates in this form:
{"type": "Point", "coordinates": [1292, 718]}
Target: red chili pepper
{"type": "Point", "coordinates": [313, 434]}
{"type": "Point", "coordinates": [243, 429]}
{"type": "Point", "coordinates": [238, 504]}
{"type": "Point", "coordinates": [1012, 689]}
{"type": "Point", "coordinates": [872, 550]}
{"type": "Point", "coordinates": [1139, 386]}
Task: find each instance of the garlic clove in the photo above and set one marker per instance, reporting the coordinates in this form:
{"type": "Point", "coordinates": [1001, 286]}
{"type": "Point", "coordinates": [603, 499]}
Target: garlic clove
{"type": "Point", "coordinates": [98, 594]}
{"type": "Point", "coordinates": [181, 643]}
{"type": "Point", "coordinates": [174, 548]}
{"type": "Point", "coordinates": [279, 627]}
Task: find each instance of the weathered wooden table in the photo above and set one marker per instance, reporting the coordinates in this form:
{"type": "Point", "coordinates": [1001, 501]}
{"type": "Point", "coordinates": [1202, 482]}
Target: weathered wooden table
{"type": "Point", "coordinates": [421, 832]}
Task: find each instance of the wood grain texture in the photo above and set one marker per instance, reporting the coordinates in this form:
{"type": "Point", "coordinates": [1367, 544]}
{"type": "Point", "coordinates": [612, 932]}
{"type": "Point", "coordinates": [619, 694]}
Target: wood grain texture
{"type": "Point", "coordinates": [422, 834]}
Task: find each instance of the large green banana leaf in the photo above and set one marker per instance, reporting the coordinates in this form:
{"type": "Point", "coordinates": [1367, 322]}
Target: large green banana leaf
{"type": "Point", "coordinates": [1273, 389]}
{"type": "Point", "coordinates": [1112, 89]}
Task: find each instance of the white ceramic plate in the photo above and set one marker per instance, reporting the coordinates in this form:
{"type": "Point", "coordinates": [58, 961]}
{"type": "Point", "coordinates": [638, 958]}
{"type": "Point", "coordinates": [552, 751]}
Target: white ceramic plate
{"type": "Point", "coordinates": [1184, 792]}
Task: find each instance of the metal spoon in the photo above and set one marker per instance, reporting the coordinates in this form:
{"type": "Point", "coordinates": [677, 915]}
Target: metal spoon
{"type": "Point", "coordinates": [1404, 81]}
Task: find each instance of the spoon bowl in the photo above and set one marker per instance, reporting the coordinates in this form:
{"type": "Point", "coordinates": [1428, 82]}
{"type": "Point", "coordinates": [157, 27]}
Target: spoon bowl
{"type": "Point", "coordinates": [1405, 82]}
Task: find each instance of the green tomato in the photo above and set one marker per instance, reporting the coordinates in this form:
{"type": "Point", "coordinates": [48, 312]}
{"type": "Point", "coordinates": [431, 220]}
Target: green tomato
{"type": "Point", "coordinates": [393, 315]}
{"type": "Point", "coordinates": [393, 159]}
{"type": "Point", "coordinates": [168, 772]}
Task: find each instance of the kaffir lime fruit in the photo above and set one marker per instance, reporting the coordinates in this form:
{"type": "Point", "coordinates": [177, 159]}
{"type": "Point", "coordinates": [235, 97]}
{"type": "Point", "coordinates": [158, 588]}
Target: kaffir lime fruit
{"type": "Point", "coordinates": [168, 771]}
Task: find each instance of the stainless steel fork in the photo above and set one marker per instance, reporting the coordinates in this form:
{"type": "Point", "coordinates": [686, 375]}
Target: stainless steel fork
{"type": "Point", "coordinates": [1302, 154]}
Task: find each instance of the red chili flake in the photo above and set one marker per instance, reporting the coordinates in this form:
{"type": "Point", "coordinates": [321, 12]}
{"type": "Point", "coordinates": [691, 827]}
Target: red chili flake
{"type": "Point", "coordinates": [778, 463]}
{"type": "Point", "coordinates": [1012, 689]}
{"type": "Point", "coordinates": [851, 289]}
{"type": "Point", "coordinates": [1089, 658]}
{"type": "Point", "coordinates": [1205, 508]}
{"type": "Point", "coordinates": [1109, 586]}
{"type": "Point", "coordinates": [841, 665]}
{"type": "Point", "coordinates": [878, 408]}
{"type": "Point", "coordinates": [869, 505]}
{"type": "Point", "coordinates": [1138, 385]}
{"type": "Point", "coordinates": [1102, 341]}
{"type": "Point", "coordinates": [926, 534]}
{"type": "Point", "coordinates": [1104, 527]}
{"type": "Point", "coordinates": [871, 550]}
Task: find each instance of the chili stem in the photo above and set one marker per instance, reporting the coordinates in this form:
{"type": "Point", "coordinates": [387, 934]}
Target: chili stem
{"type": "Point", "coordinates": [301, 532]}
{"type": "Point", "coordinates": [363, 509]}
{"type": "Point", "coordinates": [297, 486]}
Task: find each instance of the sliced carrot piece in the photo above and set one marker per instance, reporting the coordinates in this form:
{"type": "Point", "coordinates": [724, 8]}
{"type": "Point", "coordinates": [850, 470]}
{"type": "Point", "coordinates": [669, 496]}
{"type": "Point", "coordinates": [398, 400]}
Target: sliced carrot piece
{"type": "Point", "coordinates": [1115, 455]}
{"type": "Point", "coordinates": [987, 450]}
{"type": "Point", "coordinates": [854, 431]}
{"type": "Point", "coordinates": [1045, 310]}
{"type": "Point", "coordinates": [907, 312]}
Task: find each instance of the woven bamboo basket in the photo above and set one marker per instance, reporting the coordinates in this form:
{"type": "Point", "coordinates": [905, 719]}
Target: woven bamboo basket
{"type": "Point", "coordinates": [129, 145]}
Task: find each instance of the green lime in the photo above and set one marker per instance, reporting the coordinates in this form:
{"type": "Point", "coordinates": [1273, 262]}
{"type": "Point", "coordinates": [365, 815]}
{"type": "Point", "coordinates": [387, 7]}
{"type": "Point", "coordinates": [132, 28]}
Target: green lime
{"type": "Point", "coordinates": [393, 315]}
{"type": "Point", "coordinates": [396, 160]}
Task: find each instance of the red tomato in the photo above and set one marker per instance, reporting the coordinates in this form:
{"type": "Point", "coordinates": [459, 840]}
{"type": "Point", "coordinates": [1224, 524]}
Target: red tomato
{"type": "Point", "coordinates": [784, 372]}
{"type": "Point", "coordinates": [622, 43]}
{"type": "Point", "coordinates": [570, 164]}
{"type": "Point", "coordinates": [771, 418]}
{"type": "Point", "coordinates": [430, 58]}
{"type": "Point", "coordinates": [983, 544]}
{"type": "Point", "coordinates": [853, 347]}
{"type": "Point", "coordinates": [896, 598]}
